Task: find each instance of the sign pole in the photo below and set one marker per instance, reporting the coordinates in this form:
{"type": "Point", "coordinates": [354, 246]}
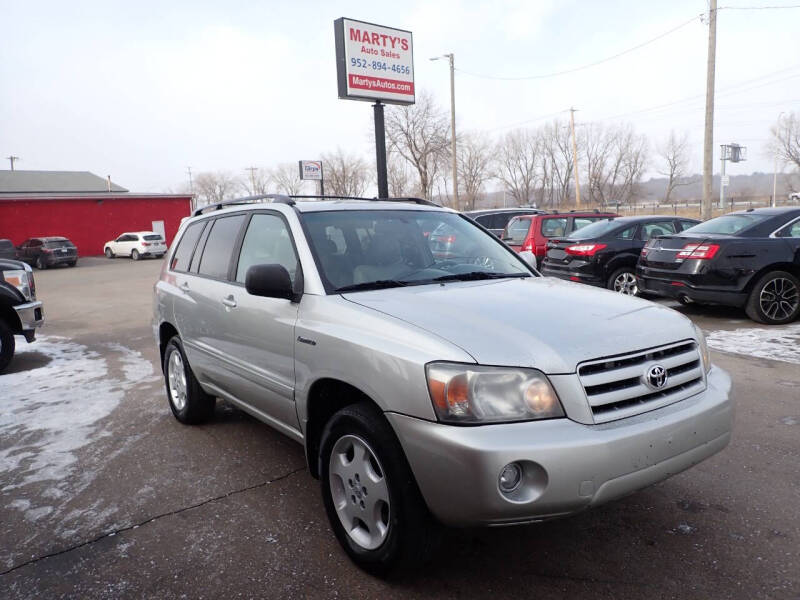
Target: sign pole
{"type": "Point", "coordinates": [380, 151]}
{"type": "Point", "coordinates": [321, 179]}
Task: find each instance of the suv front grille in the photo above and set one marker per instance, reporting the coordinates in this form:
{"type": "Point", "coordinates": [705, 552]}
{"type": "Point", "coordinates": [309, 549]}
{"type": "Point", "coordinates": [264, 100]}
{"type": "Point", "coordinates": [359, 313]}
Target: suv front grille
{"type": "Point", "coordinates": [616, 386]}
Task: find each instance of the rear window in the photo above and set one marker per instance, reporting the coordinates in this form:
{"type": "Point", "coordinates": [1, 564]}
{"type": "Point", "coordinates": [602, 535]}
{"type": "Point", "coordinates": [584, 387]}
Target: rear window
{"type": "Point", "coordinates": [729, 224]}
{"type": "Point", "coordinates": [518, 230]}
{"type": "Point", "coordinates": [219, 247]}
{"type": "Point", "coordinates": [554, 227]}
{"type": "Point", "coordinates": [58, 244]}
{"type": "Point", "coordinates": [6, 244]}
{"type": "Point", "coordinates": [581, 222]}
{"type": "Point", "coordinates": [595, 230]}
{"type": "Point", "coordinates": [183, 253]}
{"type": "Point", "coordinates": [153, 236]}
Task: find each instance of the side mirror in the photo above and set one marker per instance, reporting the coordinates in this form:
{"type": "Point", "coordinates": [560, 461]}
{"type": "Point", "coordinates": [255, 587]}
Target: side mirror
{"type": "Point", "coordinates": [270, 281]}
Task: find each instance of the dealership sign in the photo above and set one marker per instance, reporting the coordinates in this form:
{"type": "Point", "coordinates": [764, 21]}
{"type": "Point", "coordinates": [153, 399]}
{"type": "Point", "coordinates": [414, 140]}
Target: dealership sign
{"type": "Point", "coordinates": [374, 62]}
{"type": "Point", "coordinates": [311, 169]}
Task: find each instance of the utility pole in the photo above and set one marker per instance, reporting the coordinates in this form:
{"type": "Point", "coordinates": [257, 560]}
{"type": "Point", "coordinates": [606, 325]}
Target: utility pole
{"type": "Point", "coordinates": [708, 143]}
{"type": "Point", "coordinates": [575, 158]}
{"type": "Point", "coordinates": [191, 187]}
{"type": "Point", "coordinates": [451, 58]}
{"type": "Point", "coordinates": [775, 172]}
{"type": "Point", "coordinates": [12, 158]}
{"type": "Point", "coordinates": [252, 179]}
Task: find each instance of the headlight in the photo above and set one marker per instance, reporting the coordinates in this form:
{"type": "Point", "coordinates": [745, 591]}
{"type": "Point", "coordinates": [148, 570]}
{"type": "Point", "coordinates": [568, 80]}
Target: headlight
{"type": "Point", "coordinates": [472, 394]}
{"type": "Point", "coordinates": [701, 342]}
{"type": "Point", "coordinates": [22, 280]}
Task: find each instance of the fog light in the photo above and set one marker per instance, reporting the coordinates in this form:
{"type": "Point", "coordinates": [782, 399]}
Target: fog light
{"type": "Point", "coordinates": [510, 478]}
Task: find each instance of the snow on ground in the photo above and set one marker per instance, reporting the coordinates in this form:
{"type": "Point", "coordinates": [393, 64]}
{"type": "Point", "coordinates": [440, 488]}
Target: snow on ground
{"type": "Point", "coordinates": [49, 412]}
{"type": "Point", "coordinates": [776, 343]}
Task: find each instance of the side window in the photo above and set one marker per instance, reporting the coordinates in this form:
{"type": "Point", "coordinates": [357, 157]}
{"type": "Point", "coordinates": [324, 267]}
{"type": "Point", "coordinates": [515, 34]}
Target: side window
{"type": "Point", "coordinates": [485, 220]}
{"type": "Point", "coordinates": [35, 243]}
{"type": "Point", "coordinates": [651, 230]}
{"type": "Point", "coordinates": [199, 252]}
{"type": "Point", "coordinates": [500, 220]}
{"type": "Point", "coordinates": [554, 227]}
{"type": "Point", "coordinates": [219, 246]}
{"type": "Point", "coordinates": [182, 254]}
{"type": "Point", "coordinates": [627, 234]}
{"type": "Point", "coordinates": [267, 241]}
{"type": "Point", "coordinates": [686, 224]}
{"type": "Point", "coordinates": [790, 231]}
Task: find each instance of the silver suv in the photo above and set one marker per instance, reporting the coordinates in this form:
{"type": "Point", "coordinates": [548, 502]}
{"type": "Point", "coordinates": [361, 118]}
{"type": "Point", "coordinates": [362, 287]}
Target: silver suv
{"type": "Point", "coordinates": [458, 387]}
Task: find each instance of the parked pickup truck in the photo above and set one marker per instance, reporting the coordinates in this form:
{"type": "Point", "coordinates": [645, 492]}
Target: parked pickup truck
{"type": "Point", "coordinates": [20, 311]}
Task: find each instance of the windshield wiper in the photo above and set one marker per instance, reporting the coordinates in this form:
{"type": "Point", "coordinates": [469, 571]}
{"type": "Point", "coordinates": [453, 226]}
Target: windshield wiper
{"type": "Point", "coordinates": [371, 285]}
{"type": "Point", "coordinates": [477, 276]}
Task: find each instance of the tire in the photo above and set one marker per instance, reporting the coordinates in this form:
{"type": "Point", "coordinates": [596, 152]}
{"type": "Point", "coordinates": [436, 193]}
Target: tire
{"type": "Point", "coordinates": [774, 299]}
{"type": "Point", "coordinates": [135, 254]}
{"type": "Point", "coordinates": [7, 345]}
{"type": "Point", "coordinates": [40, 264]}
{"type": "Point", "coordinates": [109, 253]}
{"type": "Point", "coordinates": [395, 530]}
{"type": "Point", "coordinates": [187, 400]}
{"type": "Point", "coordinates": [623, 281]}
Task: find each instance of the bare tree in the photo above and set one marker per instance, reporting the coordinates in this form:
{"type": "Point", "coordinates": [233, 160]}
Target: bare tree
{"type": "Point", "coordinates": [675, 155]}
{"type": "Point", "coordinates": [345, 174]}
{"type": "Point", "coordinates": [420, 134]}
{"type": "Point", "coordinates": [256, 182]}
{"type": "Point", "coordinates": [211, 187]}
{"type": "Point", "coordinates": [474, 162]}
{"type": "Point", "coordinates": [786, 139]}
{"type": "Point", "coordinates": [516, 162]}
{"type": "Point", "coordinates": [557, 175]}
{"type": "Point", "coordinates": [399, 179]}
{"type": "Point", "coordinates": [286, 178]}
{"type": "Point", "coordinates": [616, 158]}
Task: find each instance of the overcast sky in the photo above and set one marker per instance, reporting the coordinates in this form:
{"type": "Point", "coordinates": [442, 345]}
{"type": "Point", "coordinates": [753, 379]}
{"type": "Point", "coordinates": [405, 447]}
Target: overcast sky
{"type": "Point", "coordinates": [139, 90]}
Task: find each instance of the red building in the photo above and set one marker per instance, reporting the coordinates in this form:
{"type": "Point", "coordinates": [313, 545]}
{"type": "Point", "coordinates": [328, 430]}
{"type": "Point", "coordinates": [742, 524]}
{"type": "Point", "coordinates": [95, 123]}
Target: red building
{"type": "Point", "coordinates": [83, 207]}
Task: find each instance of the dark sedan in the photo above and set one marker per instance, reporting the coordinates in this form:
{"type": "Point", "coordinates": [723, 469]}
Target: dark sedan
{"type": "Point", "coordinates": [45, 252]}
{"type": "Point", "coordinates": [605, 253]}
{"type": "Point", "coordinates": [748, 259]}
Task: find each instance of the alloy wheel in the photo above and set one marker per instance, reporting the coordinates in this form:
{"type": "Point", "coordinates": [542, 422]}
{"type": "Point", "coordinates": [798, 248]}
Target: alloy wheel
{"type": "Point", "coordinates": [176, 376]}
{"type": "Point", "coordinates": [779, 298]}
{"type": "Point", "coordinates": [625, 283]}
{"type": "Point", "coordinates": [359, 491]}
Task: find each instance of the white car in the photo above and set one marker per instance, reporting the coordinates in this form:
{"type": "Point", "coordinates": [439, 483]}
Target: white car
{"type": "Point", "coordinates": [137, 244]}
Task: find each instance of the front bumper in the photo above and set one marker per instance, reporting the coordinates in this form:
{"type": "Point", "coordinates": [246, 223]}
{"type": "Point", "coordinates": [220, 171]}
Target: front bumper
{"type": "Point", "coordinates": [567, 466]}
{"type": "Point", "coordinates": [30, 317]}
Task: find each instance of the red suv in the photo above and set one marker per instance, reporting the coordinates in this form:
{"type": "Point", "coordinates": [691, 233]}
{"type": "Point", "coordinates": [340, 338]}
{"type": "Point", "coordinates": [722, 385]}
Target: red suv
{"type": "Point", "coordinates": [529, 233]}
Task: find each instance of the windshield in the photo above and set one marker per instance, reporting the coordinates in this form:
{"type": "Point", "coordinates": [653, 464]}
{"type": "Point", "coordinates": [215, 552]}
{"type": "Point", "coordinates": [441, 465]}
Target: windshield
{"type": "Point", "coordinates": [728, 224]}
{"type": "Point", "coordinates": [595, 230]}
{"type": "Point", "coordinates": [369, 249]}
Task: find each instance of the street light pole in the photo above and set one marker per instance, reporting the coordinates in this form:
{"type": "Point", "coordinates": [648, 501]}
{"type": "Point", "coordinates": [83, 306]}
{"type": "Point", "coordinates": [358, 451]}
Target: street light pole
{"type": "Point", "coordinates": [451, 58]}
{"type": "Point", "coordinates": [775, 171]}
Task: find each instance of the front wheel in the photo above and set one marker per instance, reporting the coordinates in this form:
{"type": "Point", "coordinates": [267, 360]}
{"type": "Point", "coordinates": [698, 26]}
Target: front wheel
{"type": "Point", "coordinates": [135, 254]}
{"type": "Point", "coordinates": [187, 400]}
{"type": "Point", "coordinates": [40, 264]}
{"type": "Point", "coordinates": [7, 345]}
{"type": "Point", "coordinates": [371, 497]}
{"type": "Point", "coordinates": [775, 299]}
{"type": "Point", "coordinates": [109, 253]}
{"type": "Point", "coordinates": [623, 281]}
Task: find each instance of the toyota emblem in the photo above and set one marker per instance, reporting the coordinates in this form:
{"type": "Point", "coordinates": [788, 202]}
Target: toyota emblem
{"type": "Point", "coordinates": [656, 377]}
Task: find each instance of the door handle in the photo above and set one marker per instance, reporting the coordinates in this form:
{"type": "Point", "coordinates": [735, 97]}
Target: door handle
{"type": "Point", "coordinates": [230, 302]}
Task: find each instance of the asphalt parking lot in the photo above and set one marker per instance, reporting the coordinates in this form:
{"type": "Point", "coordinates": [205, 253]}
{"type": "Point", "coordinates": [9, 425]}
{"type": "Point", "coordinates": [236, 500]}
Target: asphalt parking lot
{"type": "Point", "coordinates": [104, 495]}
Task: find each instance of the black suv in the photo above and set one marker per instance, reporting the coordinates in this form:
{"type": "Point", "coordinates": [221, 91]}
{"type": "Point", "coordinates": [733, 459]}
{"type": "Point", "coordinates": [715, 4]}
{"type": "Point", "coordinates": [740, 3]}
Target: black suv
{"type": "Point", "coordinates": [44, 252]}
{"type": "Point", "coordinates": [20, 312]}
{"type": "Point", "coordinates": [605, 253]}
{"type": "Point", "coordinates": [748, 259]}
{"type": "Point", "coordinates": [496, 219]}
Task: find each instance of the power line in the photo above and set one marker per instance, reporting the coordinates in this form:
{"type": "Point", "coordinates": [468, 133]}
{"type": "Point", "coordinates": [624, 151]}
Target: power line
{"type": "Point", "coordinates": [758, 7]}
{"type": "Point", "coordinates": [587, 66]}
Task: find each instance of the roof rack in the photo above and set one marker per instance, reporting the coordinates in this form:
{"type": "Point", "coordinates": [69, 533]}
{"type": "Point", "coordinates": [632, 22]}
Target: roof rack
{"type": "Point", "coordinates": [290, 200]}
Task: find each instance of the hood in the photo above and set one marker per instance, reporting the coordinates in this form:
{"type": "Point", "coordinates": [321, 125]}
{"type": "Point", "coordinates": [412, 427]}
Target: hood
{"type": "Point", "coordinates": [540, 322]}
